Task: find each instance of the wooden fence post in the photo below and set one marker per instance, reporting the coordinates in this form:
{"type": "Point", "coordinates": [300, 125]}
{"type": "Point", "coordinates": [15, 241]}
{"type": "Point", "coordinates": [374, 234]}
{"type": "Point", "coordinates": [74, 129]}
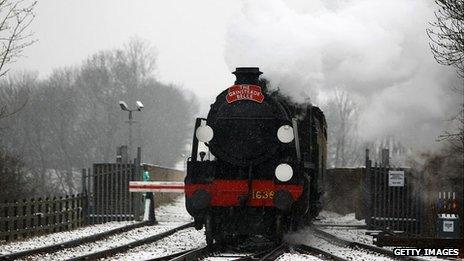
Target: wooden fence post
{"type": "Point", "coordinates": [83, 201]}
{"type": "Point", "coordinates": [84, 193]}
{"type": "Point", "coordinates": [26, 220]}
{"type": "Point", "coordinates": [40, 215]}
{"type": "Point", "coordinates": [15, 220]}
{"type": "Point", "coordinates": [3, 221]}
{"type": "Point", "coordinates": [49, 209]}
{"type": "Point", "coordinates": [60, 212]}
{"type": "Point", "coordinates": [33, 217]}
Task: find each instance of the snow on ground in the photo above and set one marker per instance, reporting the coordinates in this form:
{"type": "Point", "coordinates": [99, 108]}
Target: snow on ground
{"type": "Point", "coordinates": [180, 241]}
{"type": "Point", "coordinates": [116, 240]}
{"type": "Point", "coordinates": [183, 240]}
{"type": "Point", "coordinates": [296, 257]}
{"type": "Point", "coordinates": [173, 215]}
{"type": "Point", "coordinates": [358, 235]}
{"type": "Point", "coordinates": [328, 217]}
{"type": "Point", "coordinates": [51, 239]}
{"type": "Point", "coordinates": [306, 236]}
{"type": "Point", "coordinates": [174, 212]}
{"type": "Point", "coordinates": [168, 216]}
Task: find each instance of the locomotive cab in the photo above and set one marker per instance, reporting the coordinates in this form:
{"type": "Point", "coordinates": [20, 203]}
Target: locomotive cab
{"type": "Point", "coordinates": [255, 163]}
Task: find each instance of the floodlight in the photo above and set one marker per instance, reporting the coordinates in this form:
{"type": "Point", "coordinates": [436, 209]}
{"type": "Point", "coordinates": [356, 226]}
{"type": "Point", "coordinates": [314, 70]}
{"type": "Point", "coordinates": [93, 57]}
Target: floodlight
{"type": "Point", "coordinates": [139, 105]}
{"type": "Point", "coordinates": [123, 106]}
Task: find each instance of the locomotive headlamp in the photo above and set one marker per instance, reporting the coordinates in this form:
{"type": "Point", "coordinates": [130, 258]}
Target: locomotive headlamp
{"type": "Point", "coordinates": [284, 172]}
{"type": "Point", "coordinates": [285, 133]}
{"type": "Point", "coordinates": [204, 133]}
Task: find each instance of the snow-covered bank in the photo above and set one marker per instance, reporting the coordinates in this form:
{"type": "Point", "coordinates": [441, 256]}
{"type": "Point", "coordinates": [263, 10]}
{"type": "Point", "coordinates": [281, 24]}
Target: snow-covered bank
{"type": "Point", "coordinates": [169, 216]}
{"type": "Point", "coordinates": [51, 239]}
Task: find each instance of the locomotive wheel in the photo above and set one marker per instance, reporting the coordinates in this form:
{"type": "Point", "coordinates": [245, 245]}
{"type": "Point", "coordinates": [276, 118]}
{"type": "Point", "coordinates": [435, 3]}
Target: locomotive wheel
{"type": "Point", "coordinates": [209, 233]}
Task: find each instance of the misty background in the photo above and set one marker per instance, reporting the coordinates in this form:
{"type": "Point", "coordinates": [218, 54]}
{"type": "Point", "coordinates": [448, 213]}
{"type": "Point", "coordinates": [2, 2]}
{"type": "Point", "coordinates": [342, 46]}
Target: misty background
{"type": "Point", "coordinates": [367, 64]}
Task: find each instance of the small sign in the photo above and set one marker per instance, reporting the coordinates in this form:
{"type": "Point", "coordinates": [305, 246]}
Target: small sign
{"type": "Point", "coordinates": [396, 178]}
{"type": "Point", "coordinates": [448, 226]}
{"type": "Point", "coordinates": [244, 92]}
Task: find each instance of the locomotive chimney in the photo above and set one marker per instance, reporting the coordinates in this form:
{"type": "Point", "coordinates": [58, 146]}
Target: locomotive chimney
{"type": "Point", "coordinates": [247, 75]}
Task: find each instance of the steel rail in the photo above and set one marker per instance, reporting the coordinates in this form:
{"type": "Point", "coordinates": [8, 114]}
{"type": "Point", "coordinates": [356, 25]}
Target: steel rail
{"type": "Point", "coordinates": [340, 225]}
{"type": "Point", "coordinates": [353, 244]}
{"type": "Point", "coordinates": [73, 243]}
{"type": "Point", "coordinates": [122, 248]}
{"type": "Point", "coordinates": [215, 251]}
{"type": "Point", "coordinates": [169, 257]}
{"type": "Point", "coordinates": [305, 249]}
{"type": "Point", "coordinates": [275, 252]}
{"type": "Point", "coordinates": [197, 253]}
{"type": "Point", "coordinates": [268, 254]}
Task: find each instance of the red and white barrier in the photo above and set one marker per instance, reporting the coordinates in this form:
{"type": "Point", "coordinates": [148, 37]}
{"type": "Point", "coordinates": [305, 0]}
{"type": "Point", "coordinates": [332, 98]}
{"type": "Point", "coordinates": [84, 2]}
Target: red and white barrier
{"type": "Point", "coordinates": [156, 186]}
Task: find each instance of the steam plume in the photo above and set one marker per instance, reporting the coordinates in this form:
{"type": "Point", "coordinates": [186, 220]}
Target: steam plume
{"type": "Point", "coordinates": [375, 50]}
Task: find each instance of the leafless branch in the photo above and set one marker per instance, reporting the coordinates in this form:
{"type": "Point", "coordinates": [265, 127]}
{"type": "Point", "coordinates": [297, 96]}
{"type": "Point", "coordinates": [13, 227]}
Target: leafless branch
{"type": "Point", "coordinates": [447, 34]}
{"type": "Point", "coordinates": [16, 17]}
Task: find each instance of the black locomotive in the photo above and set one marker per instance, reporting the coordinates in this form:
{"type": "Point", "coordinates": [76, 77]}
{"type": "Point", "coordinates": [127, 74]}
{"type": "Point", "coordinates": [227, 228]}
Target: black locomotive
{"type": "Point", "coordinates": [261, 168]}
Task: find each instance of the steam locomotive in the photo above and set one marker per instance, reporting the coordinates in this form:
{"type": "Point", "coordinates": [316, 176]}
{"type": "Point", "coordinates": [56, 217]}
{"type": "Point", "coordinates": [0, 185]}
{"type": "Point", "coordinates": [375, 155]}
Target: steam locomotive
{"type": "Point", "coordinates": [261, 167]}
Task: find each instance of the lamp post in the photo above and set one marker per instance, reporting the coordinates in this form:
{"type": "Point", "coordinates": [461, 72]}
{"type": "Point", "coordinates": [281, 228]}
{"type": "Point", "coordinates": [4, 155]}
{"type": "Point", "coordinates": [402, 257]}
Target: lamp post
{"type": "Point", "coordinates": [124, 107]}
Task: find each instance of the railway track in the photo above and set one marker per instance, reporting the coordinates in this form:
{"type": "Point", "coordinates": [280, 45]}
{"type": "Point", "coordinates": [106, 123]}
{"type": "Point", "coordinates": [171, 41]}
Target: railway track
{"type": "Point", "coordinates": [354, 226]}
{"type": "Point", "coordinates": [261, 255]}
{"type": "Point", "coordinates": [123, 248]}
{"type": "Point", "coordinates": [205, 252]}
{"type": "Point", "coordinates": [357, 245]}
{"type": "Point", "coordinates": [310, 250]}
{"type": "Point", "coordinates": [221, 252]}
{"type": "Point", "coordinates": [72, 243]}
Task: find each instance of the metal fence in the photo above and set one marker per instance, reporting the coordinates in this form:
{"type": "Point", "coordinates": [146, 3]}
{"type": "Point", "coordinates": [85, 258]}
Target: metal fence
{"type": "Point", "coordinates": [108, 194]}
{"type": "Point", "coordinates": [393, 198]}
{"type": "Point", "coordinates": [31, 217]}
{"type": "Point", "coordinates": [107, 187]}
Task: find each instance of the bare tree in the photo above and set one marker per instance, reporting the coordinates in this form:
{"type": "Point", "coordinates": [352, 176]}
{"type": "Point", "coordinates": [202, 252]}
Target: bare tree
{"type": "Point", "coordinates": [12, 177]}
{"type": "Point", "coordinates": [447, 44]}
{"type": "Point", "coordinates": [342, 117]}
{"type": "Point", "coordinates": [456, 136]}
{"type": "Point", "coordinates": [447, 34]}
{"type": "Point", "coordinates": [15, 19]}
{"type": "Point", "coordinates": [72, 117]}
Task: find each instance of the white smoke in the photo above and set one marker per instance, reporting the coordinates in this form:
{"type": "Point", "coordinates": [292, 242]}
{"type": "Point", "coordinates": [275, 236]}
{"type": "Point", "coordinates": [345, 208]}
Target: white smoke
{"type": "Point", "coordinates": [375, 50]}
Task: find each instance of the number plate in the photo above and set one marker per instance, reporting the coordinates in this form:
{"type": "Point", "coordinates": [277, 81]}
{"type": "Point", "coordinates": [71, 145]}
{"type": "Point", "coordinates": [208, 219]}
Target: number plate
{"type": "Point", "coordinates": [262, 194]}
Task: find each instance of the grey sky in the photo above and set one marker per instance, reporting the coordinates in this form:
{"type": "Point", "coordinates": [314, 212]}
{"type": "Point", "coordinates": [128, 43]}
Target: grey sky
{"type": "Point", "coordinates": [375, 49]}
{"type": "Point", "coordinates": [189, 36]}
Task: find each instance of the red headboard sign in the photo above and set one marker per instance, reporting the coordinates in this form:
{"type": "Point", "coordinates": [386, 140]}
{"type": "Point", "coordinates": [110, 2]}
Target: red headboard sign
{"type": "Point", "coordinates": [244, 92]}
